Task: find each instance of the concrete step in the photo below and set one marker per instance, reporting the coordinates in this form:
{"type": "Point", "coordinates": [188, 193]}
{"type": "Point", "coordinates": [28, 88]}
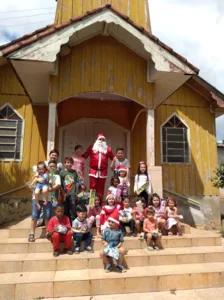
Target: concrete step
{"type": "Point", "coordinates": [21, 245]}
{"type": "Point", "coordinates": [71, 283]}
{"type": "Point", "coordinates": [36, 262]}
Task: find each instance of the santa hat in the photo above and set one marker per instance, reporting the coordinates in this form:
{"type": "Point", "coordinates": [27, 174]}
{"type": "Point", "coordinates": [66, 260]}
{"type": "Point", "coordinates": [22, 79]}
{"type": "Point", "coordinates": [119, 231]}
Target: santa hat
{"type": "Point", "coordinates": [100, 136]}
{"type": "Point", "coordinates": [114, 217]}
{"type": "Point", "coordinates": [110, 195]}
{"type": "Point", "coordinates": [121, 168]}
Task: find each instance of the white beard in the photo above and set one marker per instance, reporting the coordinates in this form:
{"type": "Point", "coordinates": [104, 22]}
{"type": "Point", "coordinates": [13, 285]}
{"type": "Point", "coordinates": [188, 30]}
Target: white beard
{"type": "Point", "coordinates": [100, 147]}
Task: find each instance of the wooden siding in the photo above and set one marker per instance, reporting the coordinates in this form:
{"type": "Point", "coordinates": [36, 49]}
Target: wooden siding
{"type": "Point", "coordinates": [193, 178]}
{"type": "Point", "coordinates": [135, 9]}
{"type": "Point", "coordinates": [16, 174]}
{"type": "Point", "coordinates": [102, 64]}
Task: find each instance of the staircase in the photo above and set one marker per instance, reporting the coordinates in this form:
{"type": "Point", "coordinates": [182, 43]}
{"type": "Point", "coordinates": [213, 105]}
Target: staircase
{"type": "Point", "coordinates": [29, 270]}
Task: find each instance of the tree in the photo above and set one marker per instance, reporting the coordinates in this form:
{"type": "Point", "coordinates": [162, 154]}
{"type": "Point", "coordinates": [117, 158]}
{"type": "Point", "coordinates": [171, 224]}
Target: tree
{"type": "Point", "coordinates": [218, 179]}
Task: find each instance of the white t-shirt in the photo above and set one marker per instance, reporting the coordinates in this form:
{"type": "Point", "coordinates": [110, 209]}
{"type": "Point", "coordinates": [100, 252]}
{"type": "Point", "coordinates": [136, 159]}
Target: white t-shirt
{"type": "Point", "coordinates": [125, 214]}
{"type": "Point", "coordinates": [140, 180]}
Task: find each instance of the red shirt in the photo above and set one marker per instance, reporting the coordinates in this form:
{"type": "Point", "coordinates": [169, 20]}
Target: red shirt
{"type": "Point", "coordinates": [55, 222]}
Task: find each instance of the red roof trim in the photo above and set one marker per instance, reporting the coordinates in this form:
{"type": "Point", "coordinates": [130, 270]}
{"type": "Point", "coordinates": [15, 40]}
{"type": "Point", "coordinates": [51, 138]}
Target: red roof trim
{"type": "Point", "coordinates": [42, 32]}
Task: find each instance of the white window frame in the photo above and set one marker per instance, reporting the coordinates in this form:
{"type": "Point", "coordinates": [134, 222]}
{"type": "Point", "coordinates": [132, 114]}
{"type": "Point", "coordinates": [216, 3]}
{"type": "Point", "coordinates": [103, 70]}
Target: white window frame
{"type": "Point", "coordinates": [22, 135]}
{"type": "Point", "coordinates": [161, 141]}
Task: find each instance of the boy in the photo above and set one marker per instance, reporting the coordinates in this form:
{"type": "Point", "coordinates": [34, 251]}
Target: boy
{"type": "Point", "coordinates": [81, 231]}
{"type": "Point", "coordinates": [118, 160]}
{"type": "Point", "coordinates": [125, 217]}
{"type": "Point", "coordinates": [56, 183]}
{"type": "Point", "coordinates": [113, 241]}
{"type": "Point", "coordinates": [59, 230]}
{"type": "Point", "coordinates": [69, 182]}
{"type": "Point", "coordinates": [150, 228]}
{"type": "Point", "coordinates": [79, 163]}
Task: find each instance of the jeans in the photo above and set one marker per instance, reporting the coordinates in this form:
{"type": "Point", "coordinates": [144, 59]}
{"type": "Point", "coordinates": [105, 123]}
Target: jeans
{"type": "Point", "coordinates": [70, 207]}
{"type": "Point", "coordinates": [87, 237]}
{"type": "Point", "coordinates": [130, 224]}
{"type": "Point", "coordinates": [47, 210]}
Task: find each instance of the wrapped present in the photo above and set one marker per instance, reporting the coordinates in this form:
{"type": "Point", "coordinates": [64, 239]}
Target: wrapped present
{"type": "Point", "coordinates": [139, 206]}
{"type": "Point", "coordinates": [112, 252]}
{"type": "Point", "coordinates": [62, 229]}
{"type": "Point", "coordinates": [142, 188]}
{"type": "Point", "coordinates": [92, 197]}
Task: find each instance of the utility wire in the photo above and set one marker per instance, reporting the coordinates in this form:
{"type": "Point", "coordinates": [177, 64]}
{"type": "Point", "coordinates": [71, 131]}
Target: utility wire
{"type": "Point", "coordinates": [26, 16]}
{"type": "Point", "coordinates": [15, 11]}
{"type": "Point", "coordinates": [25, 24]}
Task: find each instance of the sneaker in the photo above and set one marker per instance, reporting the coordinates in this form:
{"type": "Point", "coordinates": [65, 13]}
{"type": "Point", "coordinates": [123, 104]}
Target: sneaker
{"type": "Point", "coordinates": [121, 268]}
{"type": "Point", "coordinates": [56, 253]}
{"type": "Point", "coordinates": [108, 268]}
{"type": "Point", "coordinates": [89, 249]}
{"type": "Point", "coordinates": [133, 234]}
{"type": "Point", "coordinates": [77, 250]}
{"type": "Point", "coordinates": [68, 251]}
{"type": "Point", "coordinates": [156, 248]}
{"type": "Point", "coordinates": [141, 236]}
{"type": "Point", "coordinates": [150, 248]}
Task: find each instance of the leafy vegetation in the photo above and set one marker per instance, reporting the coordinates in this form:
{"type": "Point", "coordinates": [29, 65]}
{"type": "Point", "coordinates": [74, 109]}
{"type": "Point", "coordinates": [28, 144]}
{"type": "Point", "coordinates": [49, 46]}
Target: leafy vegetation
{"type": "Point", "coordinates": [218, 179]}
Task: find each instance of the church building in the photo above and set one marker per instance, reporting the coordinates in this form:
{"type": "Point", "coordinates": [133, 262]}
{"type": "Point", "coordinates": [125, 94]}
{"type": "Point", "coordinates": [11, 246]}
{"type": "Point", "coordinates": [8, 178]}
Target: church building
{"type": "Point", "coordinates": [99, 68]}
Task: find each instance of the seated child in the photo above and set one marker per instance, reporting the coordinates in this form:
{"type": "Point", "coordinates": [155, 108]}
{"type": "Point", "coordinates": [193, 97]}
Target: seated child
{"type": "Point", "coordinates": [107, 210]}
{"type": "Point", "coordinates": [55, 185]}
{"type": "Point", "coordinates": [125, 217]}
{"type": "Point", "coordinates": [139, 214]}
{"type": "Point", "coordinates": [159, 206]}
{"type": "Point", "coordinates": [94, 214]}
{"type": "Point", "coordinates": [83, 196]}
{"type": "Point", "coordinates": [150, 228]}
{"type": "Point", "coordinates": [81, 231]}
{"type": "Point", "coordinates": [40, 182]}
{"type": "Point", "coordinates": [59, 230]}
{"type": "Point", "coordinates": [173, 219]}
{"type": "Point", "coordinates": [113, 241]}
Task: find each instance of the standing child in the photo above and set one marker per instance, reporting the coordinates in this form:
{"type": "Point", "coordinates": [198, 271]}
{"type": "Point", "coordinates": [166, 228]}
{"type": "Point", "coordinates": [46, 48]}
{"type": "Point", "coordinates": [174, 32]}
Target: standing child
{"type": "Point", "coordinates": [125, 217]}
{"type": "Point", "coordinates": [55, 183]}
{"type": "Point", "coordinates": [69, 181]}
{"type": "Point", "coordinates": [81, 231]}
{"type": "Point", "coordinates": [94, 214]}
{"type": "Point", "coordinates": [150, 228]}
{"type": "Point", "coordinates": [139, 214]}
{"type": "Point", "coordinates": [113, 241]}
{"type": "Point", "coordinates": [142, 181]}
{"type": "Point", "coordinates": [159, 206]}
{"type": "Point", "coordinates": [114, 188]}
{"type": "Point", "coordinates": [59, 230]}
{"type": "Point", "coordinates": [173, 219]}
{"type": "Point", "coordinates": [107, 210]}
{"type": "Point", "coordinates": [83, 196]}
{"type": "Point", "coordinates": [79, 163]}
{"type": "Point", "coordinates": [118, 160]}
{"type": "Point", "coordinates": [124, 182]}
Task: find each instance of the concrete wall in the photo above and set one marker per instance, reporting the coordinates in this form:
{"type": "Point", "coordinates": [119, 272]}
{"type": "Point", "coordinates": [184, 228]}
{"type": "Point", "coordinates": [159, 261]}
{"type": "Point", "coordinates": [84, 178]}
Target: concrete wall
{"type": "Point", "coordinates": [220, 154]}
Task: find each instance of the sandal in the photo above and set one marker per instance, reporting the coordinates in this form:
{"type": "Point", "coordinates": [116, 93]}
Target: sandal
{"type": "Point", "coordinates": [31, 238]}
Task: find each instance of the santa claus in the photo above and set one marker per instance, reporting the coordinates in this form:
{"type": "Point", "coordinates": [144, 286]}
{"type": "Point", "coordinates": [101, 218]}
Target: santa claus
{"type": "Point", "coordinates": [99, 154]}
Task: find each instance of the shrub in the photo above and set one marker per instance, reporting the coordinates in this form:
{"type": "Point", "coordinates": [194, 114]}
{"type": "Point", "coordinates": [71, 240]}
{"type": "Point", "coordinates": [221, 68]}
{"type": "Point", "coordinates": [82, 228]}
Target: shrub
{"type": "Point", "coordinates": [218, 179]}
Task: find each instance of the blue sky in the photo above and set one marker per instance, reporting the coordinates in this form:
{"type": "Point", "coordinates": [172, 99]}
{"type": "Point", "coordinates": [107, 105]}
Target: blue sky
{"type": "Point", "coordinates": [194, 28]}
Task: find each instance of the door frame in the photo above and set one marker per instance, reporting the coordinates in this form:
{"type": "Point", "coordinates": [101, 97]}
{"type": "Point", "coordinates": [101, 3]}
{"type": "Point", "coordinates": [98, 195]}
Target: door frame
{"type": "Point", "coordinates": [88, 120]}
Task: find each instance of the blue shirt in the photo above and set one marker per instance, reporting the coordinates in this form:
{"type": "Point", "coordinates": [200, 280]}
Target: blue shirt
{"type": "Point", "coordinates": [113, 237]}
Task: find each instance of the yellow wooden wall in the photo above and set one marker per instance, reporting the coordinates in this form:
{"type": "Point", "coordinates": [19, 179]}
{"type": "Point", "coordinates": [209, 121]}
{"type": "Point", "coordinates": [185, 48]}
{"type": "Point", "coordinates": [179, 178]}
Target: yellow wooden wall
{"type": "Point", "coordinates": [137, 10]}
{"type": "Point", "coordinates": [192, 179]}
{"type": "Point", "coordinates": [102, 64]}
{"type": "Point", "coordinates": [16, 174]}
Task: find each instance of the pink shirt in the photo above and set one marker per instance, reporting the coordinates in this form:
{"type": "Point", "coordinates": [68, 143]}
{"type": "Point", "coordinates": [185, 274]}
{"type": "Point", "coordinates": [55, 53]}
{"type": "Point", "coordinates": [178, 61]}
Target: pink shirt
{"type": "Point", "coordinates": [150, 225]}
{"type": "Point", "coordinates": [79, 165]}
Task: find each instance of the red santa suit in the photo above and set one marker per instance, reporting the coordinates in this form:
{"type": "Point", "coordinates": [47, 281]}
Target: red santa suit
{"type": "Point", "coordinates": [98, 165]}
{"type": "Point", "coordinates": [106, 213]}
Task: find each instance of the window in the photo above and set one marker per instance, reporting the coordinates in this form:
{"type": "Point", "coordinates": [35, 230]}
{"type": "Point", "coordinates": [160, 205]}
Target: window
{"type": "Point", "coordinates": [175, 147]}
{"type": "Point", "coordinates": [10, 134]}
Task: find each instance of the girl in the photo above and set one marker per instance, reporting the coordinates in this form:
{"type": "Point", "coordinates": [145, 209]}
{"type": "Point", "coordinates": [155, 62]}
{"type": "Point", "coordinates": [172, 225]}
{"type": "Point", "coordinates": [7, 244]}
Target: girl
{"type": "Point", "coordinates": [41, 183]}
{"type": "Point", "coordinates": [159, 206]}
{"type": "Point", "coordinates": [107, 210]}
{"type": "Point", "coordinates": [124, 182]}
{"type": "Point", "coordinates": [151, 231]}
{"type": "Point", "coordinates": [83, 196]}
{"type": "Point", "coordinates": [139, 214]}
{"type": "Point", "coordinates": [142, 181]}
{"type": "Point", "coordinates": [173, 224]}
{"type": "Point", "coordinates": [118, 160]}
{"type": "Point", "coordinates": [79, 163]}
{"type": "Point", "coordinates": [94, 214]}
{"type": "Point", "coordinates": [114, 188]}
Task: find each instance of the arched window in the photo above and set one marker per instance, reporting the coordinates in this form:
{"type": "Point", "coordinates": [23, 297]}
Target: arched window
{"type": "Point", "coordinates": [11, 125]}
{"type": "Point", "coordinates": [175, 145]}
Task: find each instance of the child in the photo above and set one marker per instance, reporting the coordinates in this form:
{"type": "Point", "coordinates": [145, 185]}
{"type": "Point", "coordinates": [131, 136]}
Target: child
{"type": "Point", "coordinates": [124, 182]}
{"type": "Point", "coordinates": [139, 214]}
{"type": "Point", "coordinates": [40, 182]}
{"type": "Point", "coordinates": [113, 241]}
{"type": "Point", "coordinates": [81, 231]}
{"type": "Point", "coordinates": [118, 160]}
{"type": "Point", "coordinates": [83, 196]}
{"type": "Point", "coordinates": [94, 214]}
{"type": "Point", "coordinates": [125, 217]}
{"type": "Point", "coordinates": [114, 189]}
{"type": "Point", "coordinates": [59, 230]}
{"type": "Point", "coordinates": [107, 210]}
{"type": "Point", "coordinates": [173, 218]}
{"type": "Point", "coordinates": [150, 228]}
{"type": "Point", "coordinates": [69, 181]}
{"type": "Point", "coordinates": [56, 183]}
{"type": "Point", "coordinates": [159, 206]}
{"type": "Point", "coordinates": [79, 163]}
{"type": "Point", "coordinates": [142, 179]}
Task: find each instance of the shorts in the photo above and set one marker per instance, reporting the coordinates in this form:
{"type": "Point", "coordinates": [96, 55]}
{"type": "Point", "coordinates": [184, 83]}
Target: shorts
{"type": "Point", "coordinates": [47, 210]}
{"type": "Point", "coordinates": [153, 237]}
{"type": "Point", "coordinates": [40, 186]}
